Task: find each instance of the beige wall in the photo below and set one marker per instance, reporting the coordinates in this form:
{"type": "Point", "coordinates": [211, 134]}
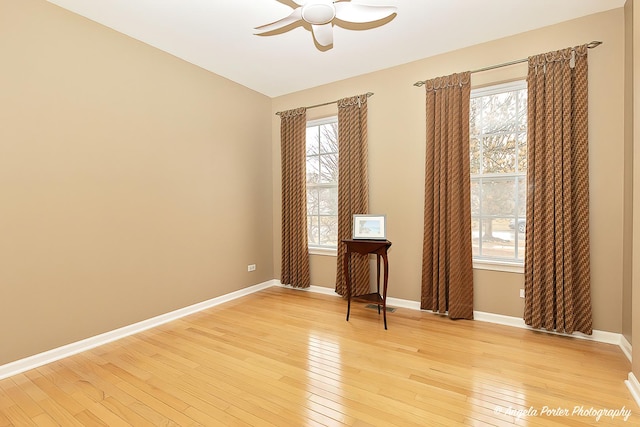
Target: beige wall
{"type": "Point", "coordinates": [396, 158]}
{"type": "Point", "coordinates": [132, 183]}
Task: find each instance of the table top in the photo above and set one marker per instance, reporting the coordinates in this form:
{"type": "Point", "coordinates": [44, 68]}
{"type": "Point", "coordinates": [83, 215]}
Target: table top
{"type": "Point", "coordinates": [384, 241]}
{"type": "Point", "coordinates": [365, 246]}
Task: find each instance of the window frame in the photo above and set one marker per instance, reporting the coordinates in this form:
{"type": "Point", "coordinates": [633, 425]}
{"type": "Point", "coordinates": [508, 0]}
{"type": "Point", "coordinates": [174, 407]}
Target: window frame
{"type": "Point", "coordinates": [489, 263]}
{"type": "Point", "coordinates": [321, 249]}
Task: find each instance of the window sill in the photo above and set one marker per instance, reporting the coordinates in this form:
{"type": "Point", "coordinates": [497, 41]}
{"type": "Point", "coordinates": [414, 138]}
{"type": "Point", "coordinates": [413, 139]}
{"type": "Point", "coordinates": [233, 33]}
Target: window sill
{"type": "Point", "coordinates": [323, 251]}
{"type": "Point", "coordinates": [508, 267]}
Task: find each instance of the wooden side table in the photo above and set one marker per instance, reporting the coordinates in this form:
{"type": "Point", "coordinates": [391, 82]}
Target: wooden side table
{"type": "Point", "coordinates": [364, 247]}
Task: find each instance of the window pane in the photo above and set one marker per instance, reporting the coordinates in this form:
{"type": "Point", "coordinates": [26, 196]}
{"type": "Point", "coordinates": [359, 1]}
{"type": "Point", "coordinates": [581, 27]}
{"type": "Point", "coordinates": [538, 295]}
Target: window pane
{"type": "Point", "coordinates": [313, 169]}
{"type": "Point", "coordinates": [313, 146]}
{"type": "Point", "coordinates": [521, 247]}
{"type": "Point", "coordinates": [522, 197]}
{"type": "Point", "coordinates": [329, 230]}
{"type": "Point", "coordinates": [475, 237]}
{"type": "Point", "coordinates": [522, 152]}
{"type": "Point", "coordinates": [313, 201]}
{"type": "Point", "coordinates": [313, 230]}
{"type": "Point", "coordinates": [329, 168]}
{"type": "Point", "coordinates": [474, 150]}
{"type": "Point", "coordinates": [499, 154]}
{"type": "Point", "coordinates": [329, 138]}
{"type": "Point", "coordinates": [474, 118]}
{"type": "Point", "coordinates": [475, 196]}
{"type": "Point", "coordinates": [499, 113]}
{"type": "Point", "coordinates": [498, 196]}
{"type": "Point", "coordinates": [497, 238]}
{"type": "Point", "coordinates": [522, 110]}
{"type": "Point", "coordinates": [328, 201]}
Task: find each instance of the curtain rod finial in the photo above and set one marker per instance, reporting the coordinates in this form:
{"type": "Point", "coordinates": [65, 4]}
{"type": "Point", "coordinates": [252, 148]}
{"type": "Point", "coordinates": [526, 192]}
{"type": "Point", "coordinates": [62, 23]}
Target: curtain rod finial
{"type": "Point", "coordinates": [593, 44]}
{"type": "Point", "coordinates": [418, 84]}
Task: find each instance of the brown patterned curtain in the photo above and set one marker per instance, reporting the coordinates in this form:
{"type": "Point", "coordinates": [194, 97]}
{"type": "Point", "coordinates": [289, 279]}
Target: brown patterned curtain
{"type": "Point", "coordinates": [353, 188]}
{"type": "Point", "coordinates": [447, 269]}
{"type": "Point", "coordinates": [295, 252]}
{"type": "Point", "coordinates": [557, 270]}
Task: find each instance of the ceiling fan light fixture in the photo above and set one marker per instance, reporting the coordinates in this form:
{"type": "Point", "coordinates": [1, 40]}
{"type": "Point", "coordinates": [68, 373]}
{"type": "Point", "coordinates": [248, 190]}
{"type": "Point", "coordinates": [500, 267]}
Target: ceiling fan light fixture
{"type": "Point", "coordinates": [319, 12]}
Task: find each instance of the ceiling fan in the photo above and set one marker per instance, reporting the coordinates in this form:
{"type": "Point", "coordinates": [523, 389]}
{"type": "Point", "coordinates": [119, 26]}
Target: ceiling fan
{"type": "Point", "coordinates": [321, 13]}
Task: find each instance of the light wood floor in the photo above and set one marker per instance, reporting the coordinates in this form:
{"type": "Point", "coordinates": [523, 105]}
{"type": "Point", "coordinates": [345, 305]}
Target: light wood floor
{"type": "Point", "coordinates": [288, 358]}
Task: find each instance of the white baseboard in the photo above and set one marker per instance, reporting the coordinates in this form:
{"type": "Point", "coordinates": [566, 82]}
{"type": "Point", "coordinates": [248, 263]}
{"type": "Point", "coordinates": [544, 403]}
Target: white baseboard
{"type": "Point", "coordinates": [500, 319]}
{"type": "Point", "coordinates": [403, 303]}
{"type": "Point", "coordinates": [49, 356]}
{"type": "Point", "coordinates": [599, 336]}
{"type": "Point", "coordinates": [634, 387]}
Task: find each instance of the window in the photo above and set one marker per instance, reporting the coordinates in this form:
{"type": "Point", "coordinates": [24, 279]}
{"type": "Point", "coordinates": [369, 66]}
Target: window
{"type": "Point", "coordinates": [498, 150]}
{"type": "Point", "coordinates": [322, 185]}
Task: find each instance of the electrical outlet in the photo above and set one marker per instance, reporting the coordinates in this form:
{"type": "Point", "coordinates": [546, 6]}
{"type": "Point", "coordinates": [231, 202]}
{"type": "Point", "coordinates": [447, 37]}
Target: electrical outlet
{"type": "Point", "coordinates": [251, 267]}
{"type": "Point", "coordinates": [521, 293]}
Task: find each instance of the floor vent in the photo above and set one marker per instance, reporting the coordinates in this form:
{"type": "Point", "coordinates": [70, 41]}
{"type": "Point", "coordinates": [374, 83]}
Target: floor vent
{"type": "Point", "coordinates": [375, 307]}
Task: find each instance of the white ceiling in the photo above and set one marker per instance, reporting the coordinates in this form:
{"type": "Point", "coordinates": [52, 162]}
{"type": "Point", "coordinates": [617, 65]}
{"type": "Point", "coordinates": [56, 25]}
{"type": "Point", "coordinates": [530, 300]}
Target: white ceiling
{"type": "Point", "coordinates": [218, 35]}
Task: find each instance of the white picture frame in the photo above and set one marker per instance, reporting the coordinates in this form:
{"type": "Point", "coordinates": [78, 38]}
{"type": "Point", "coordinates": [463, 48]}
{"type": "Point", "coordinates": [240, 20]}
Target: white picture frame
{"type": "Point", "coordinates": [369, 227]}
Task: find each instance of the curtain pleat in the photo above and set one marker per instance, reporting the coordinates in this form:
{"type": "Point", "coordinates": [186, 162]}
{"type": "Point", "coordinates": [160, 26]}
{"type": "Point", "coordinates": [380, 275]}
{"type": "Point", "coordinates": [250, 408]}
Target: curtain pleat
{"type": "Point", "coordinates": [557, 254]}
{"type": "Point", "coordinates": [353, 188]}
{"type": "Point", "coordinates": [447, 270]}
{"type": "Point", "coordinates": [295, 252]}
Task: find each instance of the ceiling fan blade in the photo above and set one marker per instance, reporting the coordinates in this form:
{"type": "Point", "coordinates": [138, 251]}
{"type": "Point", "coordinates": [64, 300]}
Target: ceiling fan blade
{"type": "Point", "coordinates": [359, 13]}
{"type": "Point", "coordinates": [296, 15]}
{"type": "Point", "coordinates": [323, 34]}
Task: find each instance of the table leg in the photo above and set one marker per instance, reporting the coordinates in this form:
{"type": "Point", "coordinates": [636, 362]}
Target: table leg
{"type": "Point", "coordinates": [378, 278]}
{"type": "Point", "coordinates": [347, 282]}
{"type": "Point", "coordinates": [384, 294]}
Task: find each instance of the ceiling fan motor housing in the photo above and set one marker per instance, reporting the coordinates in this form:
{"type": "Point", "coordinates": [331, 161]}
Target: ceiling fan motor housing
{"type": "Point", "coordinates": [318, 12]}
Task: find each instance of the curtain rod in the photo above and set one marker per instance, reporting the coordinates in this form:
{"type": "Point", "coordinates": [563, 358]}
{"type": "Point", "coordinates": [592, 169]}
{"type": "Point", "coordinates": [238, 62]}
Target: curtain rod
{"type": "Point", "coordinates": [326, 103]}
{"type": "Point", "coordinates": [506, 64]}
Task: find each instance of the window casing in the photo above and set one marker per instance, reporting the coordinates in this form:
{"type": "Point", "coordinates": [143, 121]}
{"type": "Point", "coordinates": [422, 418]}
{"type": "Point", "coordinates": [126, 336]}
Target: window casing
{"type": "Point", "coordinates": [322, 185]}
{"type": "Point", "coordinates": [498, 154]}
